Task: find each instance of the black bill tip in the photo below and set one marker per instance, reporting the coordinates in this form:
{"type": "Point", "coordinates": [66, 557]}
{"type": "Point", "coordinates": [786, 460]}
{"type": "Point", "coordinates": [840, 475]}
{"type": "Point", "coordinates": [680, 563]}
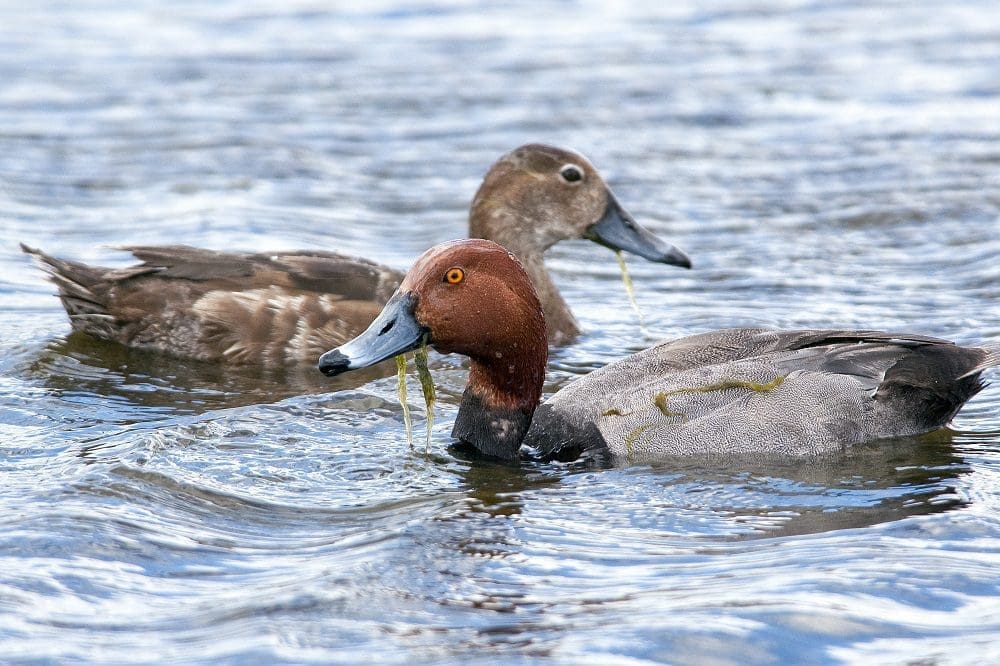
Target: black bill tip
{"type": "Point", "coordinates": [333, 363]}
{"type": "Point", "coordinates": [675, 257]}
{"type": "Point", "coordinates": [395, 331]}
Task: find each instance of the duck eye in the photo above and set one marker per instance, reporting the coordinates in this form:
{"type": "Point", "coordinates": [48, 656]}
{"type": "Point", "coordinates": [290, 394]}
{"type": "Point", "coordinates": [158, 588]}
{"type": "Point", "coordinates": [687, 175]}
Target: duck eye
{"type": "Point", "coordinates": [571, 173]}
{"type": "Point", "coordinates": [454, 275]}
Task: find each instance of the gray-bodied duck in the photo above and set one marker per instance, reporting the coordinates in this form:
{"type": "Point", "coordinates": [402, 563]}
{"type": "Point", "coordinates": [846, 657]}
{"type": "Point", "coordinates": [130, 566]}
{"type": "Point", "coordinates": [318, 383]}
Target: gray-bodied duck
{"type": "Point", "coordinates": [733, 391]}
{"type": "Point", "coordinates": [287, 308]}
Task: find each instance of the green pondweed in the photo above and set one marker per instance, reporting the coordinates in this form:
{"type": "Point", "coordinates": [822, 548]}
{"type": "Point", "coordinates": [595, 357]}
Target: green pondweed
{"type": "Point", "coordinates": [401, 388]}
{"type": "Point", "coordinates": [426, 386]}
{"type": "Point", "coordinates": [628, 287]}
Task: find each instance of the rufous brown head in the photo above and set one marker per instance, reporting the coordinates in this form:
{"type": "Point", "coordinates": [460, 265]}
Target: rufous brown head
{"type": "Point", "coordinates": [469, 297]}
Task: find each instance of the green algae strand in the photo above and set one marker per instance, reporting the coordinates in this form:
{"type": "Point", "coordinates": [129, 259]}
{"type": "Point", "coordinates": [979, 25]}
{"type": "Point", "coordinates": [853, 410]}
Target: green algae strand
{"type": "Point", "coordinates": [401, 389]}
{"type": "Point", "coordinates": [426, 385]}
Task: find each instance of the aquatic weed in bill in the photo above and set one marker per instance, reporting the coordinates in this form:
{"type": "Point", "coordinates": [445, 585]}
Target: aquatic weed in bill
{"type": "Point", "coordinates": [426, 386]}
{"type": "Point", "coordinates": [627, 281]}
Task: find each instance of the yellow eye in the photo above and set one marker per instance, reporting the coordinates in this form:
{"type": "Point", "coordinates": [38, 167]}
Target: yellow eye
{"type": "Point", "coordinates": [454, 275]}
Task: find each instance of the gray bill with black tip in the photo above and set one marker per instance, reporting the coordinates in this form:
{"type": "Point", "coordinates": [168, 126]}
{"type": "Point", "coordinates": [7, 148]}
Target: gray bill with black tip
{"type": "Point", "coordinates": [619, 231]}
{"type": "Point", "coordinates": [394, 331]}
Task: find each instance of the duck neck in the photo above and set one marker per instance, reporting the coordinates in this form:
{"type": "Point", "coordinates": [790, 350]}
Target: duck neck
{"type": "Point", "coordinates": [501, 397]}
{"type": "Point", "coordinates": [529, 246]}
{"type": "Point", "coordinates": [560, 324]}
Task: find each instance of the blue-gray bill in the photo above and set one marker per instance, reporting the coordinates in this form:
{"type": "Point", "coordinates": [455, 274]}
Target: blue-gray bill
{"type": "Point", "coordinates": [619, 231]}
{"type": "Point", "coordinates": [395, 331]}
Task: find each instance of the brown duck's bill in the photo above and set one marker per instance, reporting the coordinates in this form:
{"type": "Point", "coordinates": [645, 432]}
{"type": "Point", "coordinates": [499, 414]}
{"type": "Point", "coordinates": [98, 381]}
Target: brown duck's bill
{"type": "Point", "coordinates": [619, 231]}
{"type": "Point", "coordinates": [395, 331]}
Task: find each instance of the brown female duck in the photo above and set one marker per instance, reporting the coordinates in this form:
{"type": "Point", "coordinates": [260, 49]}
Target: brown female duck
{"type": "Point", "coordinates": [734, 391]}
{"type": "Point", "coordinates": [287, 308]}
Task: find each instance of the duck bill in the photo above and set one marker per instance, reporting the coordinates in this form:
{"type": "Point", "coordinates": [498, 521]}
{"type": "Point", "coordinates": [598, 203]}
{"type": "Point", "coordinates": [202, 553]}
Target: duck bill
{"type": "Point", "coordinates": [619, 231]}
{"type": "Point", "coordinates": [395, 331]}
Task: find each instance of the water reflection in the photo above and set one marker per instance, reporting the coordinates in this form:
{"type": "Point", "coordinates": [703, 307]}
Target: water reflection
{"type": "Point", "coordinates": [865, 485]}
{"type": "Point", "coordinates": [79, 363]}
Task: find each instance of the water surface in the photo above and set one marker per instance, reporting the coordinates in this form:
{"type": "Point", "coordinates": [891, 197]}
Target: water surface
{"type": "Point", "coordinates": [823, 164]}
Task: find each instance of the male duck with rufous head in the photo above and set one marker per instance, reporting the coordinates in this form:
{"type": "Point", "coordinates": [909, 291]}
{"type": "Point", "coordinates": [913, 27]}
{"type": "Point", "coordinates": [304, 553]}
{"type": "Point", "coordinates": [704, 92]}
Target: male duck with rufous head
{"type": "Point", "coordinates": [738, 391]}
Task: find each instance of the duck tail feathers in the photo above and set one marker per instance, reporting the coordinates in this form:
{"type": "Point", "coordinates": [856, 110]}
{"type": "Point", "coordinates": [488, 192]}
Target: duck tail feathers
{"type": "Point", "coordinates": [75, 282]}
{"type": "Point", "coordinates": [991, 359]}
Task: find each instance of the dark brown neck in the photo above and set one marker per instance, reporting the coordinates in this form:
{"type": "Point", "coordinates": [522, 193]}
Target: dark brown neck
{"type": "Point", "coordinates": [501, 398]}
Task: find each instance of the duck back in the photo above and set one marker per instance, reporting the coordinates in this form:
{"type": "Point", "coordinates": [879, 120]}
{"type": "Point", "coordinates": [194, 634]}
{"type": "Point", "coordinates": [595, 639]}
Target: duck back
{"type": "Point", "coordinates": [759, 391]}
{"type": "Point", "coordinates": [284, 308]}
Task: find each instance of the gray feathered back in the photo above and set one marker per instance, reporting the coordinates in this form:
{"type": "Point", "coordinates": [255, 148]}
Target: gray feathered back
{"type": "Point", "coordinates": [739, 391]}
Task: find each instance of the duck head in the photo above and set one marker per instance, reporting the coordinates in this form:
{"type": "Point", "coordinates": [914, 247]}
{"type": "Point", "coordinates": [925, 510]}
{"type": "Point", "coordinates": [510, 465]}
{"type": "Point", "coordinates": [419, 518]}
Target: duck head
{"type": "Point", "coordinates": [469, 297]}
{"type": "Point", "coordinates": [538, 195]}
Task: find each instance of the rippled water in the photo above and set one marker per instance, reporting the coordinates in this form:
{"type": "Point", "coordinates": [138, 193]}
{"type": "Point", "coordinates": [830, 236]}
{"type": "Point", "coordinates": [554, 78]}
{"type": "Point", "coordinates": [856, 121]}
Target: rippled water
{"type": "Point", "coordinates": [824, 164]}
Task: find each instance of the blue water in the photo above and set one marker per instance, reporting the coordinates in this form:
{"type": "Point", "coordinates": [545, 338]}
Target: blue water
{"type": "Point", "coordinates": [823, 164]}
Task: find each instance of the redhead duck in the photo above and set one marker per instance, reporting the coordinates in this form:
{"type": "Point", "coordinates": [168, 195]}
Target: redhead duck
{"type": "Point", "coordinates": [734, 391]}
{"type": "Point", "coordinates": [287, 308]}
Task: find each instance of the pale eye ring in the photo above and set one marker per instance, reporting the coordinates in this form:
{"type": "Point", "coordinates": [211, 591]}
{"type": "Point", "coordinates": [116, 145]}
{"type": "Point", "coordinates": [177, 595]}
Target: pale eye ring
{"type": "Point", "coordinates": [571, 173]}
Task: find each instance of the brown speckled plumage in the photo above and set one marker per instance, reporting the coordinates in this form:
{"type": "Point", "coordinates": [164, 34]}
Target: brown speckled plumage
{"type": "Point", "coordinates": [275, 309]}
{"type": "Point", "coordinates": [287, 308]}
